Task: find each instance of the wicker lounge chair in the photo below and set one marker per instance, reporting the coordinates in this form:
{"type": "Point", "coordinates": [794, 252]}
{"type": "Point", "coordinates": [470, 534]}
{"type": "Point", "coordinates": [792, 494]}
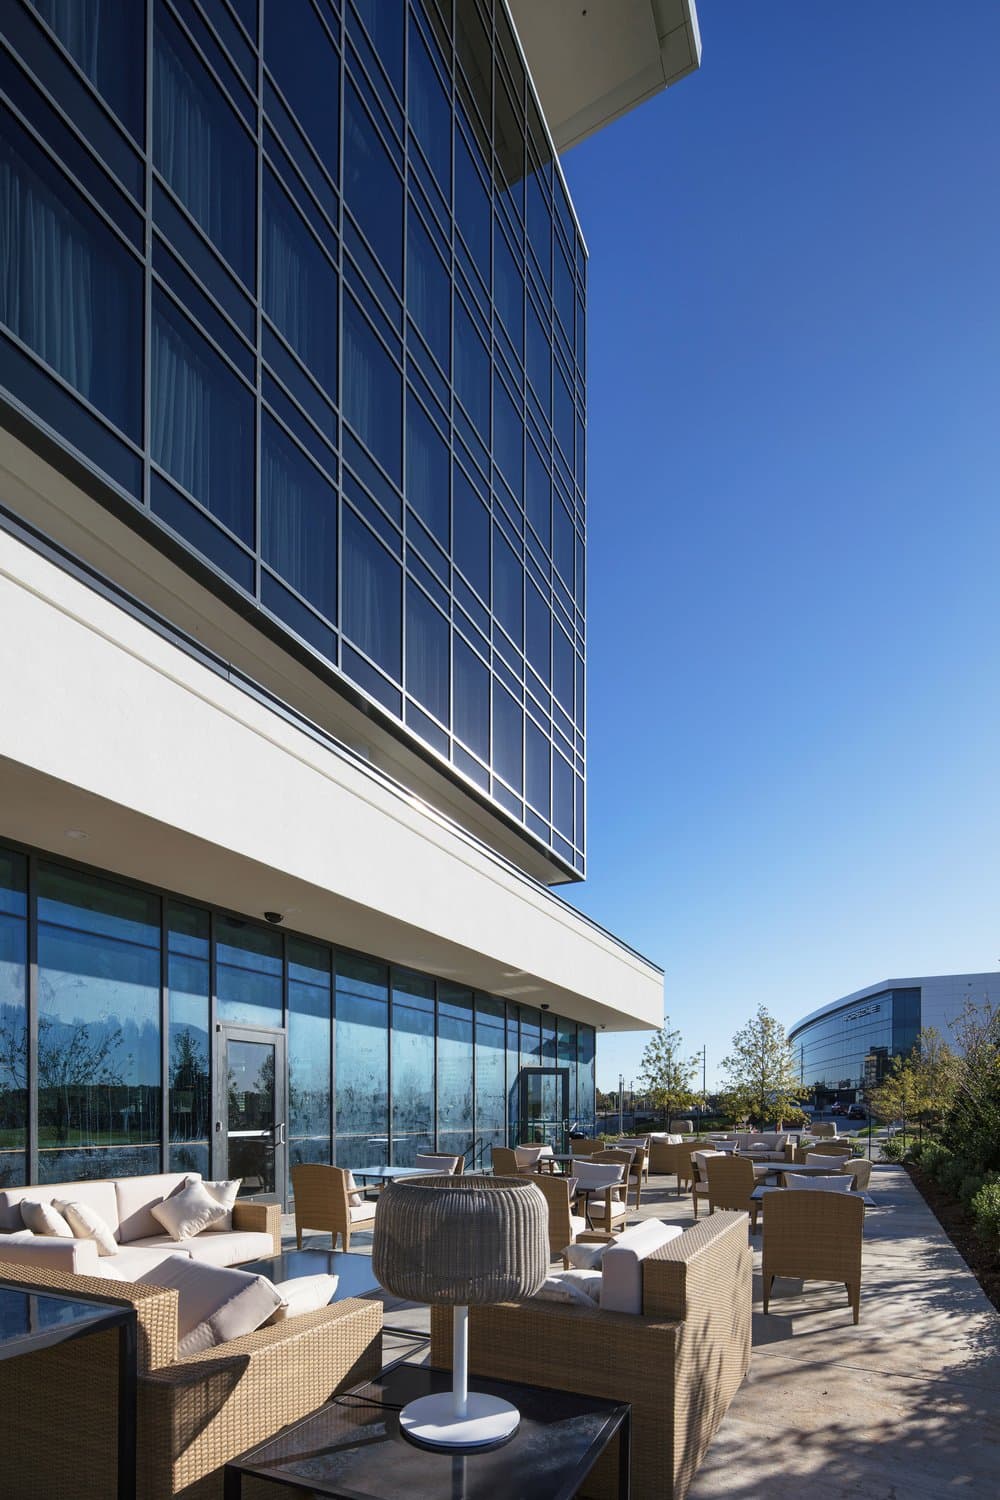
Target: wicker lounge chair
{"type": "Point", "coordinates": [564, 1225]}
{"type": "Point", "coordinates": [323, 1201]}
{"type": "Point", "coordinates": [731, 1180]}
{"type": "Point", "coordinates": [679, 1362]}
{"type": "Point", "coordinates": [609, 1208]}
{"type": "Point", "coordinates": [699, 1175]}
{"type": "Point", "coordinates": [194, 1414]}
{"type": "Point", "coordinates": [815, 1237]}
{"type": "Point", "coordinates": [440, 1161]}
{"type": "Point", "coordinates": [860, 1168]}
{"type": "Point", "coordinates": [504, 1162]}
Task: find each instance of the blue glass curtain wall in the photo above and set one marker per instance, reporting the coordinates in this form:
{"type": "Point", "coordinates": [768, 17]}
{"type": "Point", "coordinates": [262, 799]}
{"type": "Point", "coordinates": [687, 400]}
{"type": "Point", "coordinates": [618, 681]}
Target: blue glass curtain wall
{"type": "Point", "coordinates": [303, 283]}
{"type": "Point", "coordinates": [106, 1065]}
{"type": "Point", "coordinates": [841, 1054]}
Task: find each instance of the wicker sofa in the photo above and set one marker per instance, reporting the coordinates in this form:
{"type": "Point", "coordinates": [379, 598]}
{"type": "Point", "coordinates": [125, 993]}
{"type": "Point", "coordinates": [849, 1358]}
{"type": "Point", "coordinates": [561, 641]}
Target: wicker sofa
{"type": "Point", "coordinates": [679, 1362]}
{"type": "Point", "coordinates": [194, 1414]}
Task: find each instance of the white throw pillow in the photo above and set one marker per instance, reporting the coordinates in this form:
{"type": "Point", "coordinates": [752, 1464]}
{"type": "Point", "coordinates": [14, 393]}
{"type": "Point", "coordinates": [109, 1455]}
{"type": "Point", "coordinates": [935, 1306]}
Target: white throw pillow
{"type": "Point", "coordinates": [214, 1303]}
{"type": "Point", "coordinates": [833, 1184]}
{"type": "Point", "coordinates": [43, 1218]}
{"type": "Point", "coordinates": [581, 1287]}
{"type": "Point", "coordinates": [825, 1158]}
{"type": "Point", "coordinates": [226, 1194]}
{"type": "Point", "coordinates": [303, 1294]}
{"type": "Point", "coordinates": [188, 1212]}
{"type": "Point", "coordinates": [87, 1224]}
{"type": "Point", "coordinates": [355, 1197]}
{"type": "Point", "coordinates": [586, 1256]}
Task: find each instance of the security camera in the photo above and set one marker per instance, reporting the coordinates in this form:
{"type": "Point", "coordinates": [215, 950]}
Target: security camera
{"type": "Point", "coordinates": [544, 1006]}
{"type": "Point", "coordinates": [273, 916]}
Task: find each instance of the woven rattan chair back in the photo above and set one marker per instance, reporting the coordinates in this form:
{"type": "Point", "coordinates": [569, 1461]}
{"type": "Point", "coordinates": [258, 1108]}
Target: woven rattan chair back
{"type": "Point", "coordinates": [829, 1148]}
{"type": "Point", "coordinates": [322, 1202]}
{"type": "Point", "coordinates": [731, 1180]}
{"type": "Point", "coordinates": [815, 1237]}
{"type": "Point", "coordinates": [555, 1191]}
{"type": "Point", "coordinates": [860, 1168]}
{"type": "Point", "coordinates": [504, 1162]}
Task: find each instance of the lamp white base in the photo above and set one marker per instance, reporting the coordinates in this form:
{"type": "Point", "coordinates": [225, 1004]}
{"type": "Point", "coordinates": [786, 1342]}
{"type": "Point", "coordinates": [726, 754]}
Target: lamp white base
{"type": "Point", "coordinates": [430, 1421]}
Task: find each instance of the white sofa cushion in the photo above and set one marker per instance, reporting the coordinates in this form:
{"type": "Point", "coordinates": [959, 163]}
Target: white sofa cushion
{"type": "Point", "coordinates": [303, 1294]}
{"type": "Point", "coordinates": [598, 1174]}
{"type": "Point", "coordinates": [836, 1183]}
{"type": "Point", "coordinates": [355, 1197]}
{"type": "Point", "coordinates": [587, 1256]}
{"type": "Point", "coordinates": [214, 1304]}
{"type": "Point", "coordinates": [582, 1287]}
{"type": "Point", "coordinates": [666, 1137]}
{"type": "Point", "coordinates": [215, 1249]}
{"type": "Point", "coordinates": [829, 1159]}
{"type": "Point", "coordinates": [137, 1196]}
{"type": "Point", "coordinates": [77, 1257]}
{"type": "Point", "coordinates": [621, 1267]}
{"type": "Point", "coordinates": [100, 1196]}
{"type": "Point", "coordinates": [225, 1193]}
{"type": "Point", "coordinates": [45, 1219]}
{"type": "Point", "coordinates": [130, 1263]}
{"type": "Point", "coordinates": [87, 1224]}
{"type": "Point", "coordinates": [187, 1213]}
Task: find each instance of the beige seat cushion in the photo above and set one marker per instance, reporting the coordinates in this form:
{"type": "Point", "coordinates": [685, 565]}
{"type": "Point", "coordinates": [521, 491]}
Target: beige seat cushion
{"type": "Point", "coordinates": [217, 1249]}
{"type": "Point", "coordinates": [130, 1262]}
{"type": "Point", "coordinates": [76, 1257]}
{"type": "Point", "coordinates": [214, 1304]}
{"type": "Point", "coordinates": [359, 1212]}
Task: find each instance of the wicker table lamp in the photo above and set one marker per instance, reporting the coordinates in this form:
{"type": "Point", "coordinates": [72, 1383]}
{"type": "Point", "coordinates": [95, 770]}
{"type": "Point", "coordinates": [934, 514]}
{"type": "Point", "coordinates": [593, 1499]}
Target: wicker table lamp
{"type": "Point", "coordinates": [461, 1240]}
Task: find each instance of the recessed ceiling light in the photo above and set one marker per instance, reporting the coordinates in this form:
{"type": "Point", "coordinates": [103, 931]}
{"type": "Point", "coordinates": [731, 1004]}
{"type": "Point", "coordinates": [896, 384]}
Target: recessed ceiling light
{"type": "Point", "coordinates": [75, 833]}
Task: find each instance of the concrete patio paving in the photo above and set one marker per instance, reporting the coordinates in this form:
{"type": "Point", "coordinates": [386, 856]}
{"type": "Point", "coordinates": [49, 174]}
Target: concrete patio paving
{"type": "Point", "coordinates": [904, 1407]}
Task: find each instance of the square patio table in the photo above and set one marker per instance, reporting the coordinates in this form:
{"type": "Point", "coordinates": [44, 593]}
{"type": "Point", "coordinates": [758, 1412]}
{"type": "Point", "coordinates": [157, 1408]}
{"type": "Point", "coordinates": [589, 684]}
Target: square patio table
{"type": "Point", "coordinates": [352, 1447]}
{"type": "Point", "coordinates": [355, 1271]}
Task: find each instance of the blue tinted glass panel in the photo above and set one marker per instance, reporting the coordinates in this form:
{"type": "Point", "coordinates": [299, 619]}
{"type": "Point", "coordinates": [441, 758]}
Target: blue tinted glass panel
{"type": "Point", "coordinates": [539, 359]}
{"type": "Point", "coordinates": [508, 289]}
{"type": "Point", "coordinates": [384, 24]}
{"type": "Point", "coordinates": [201, 420]}
{"type": "Point", "coordinates": [508, 580]}
{"type": "Point", "coordinates": [427, 469]}
{"type": "Point", "coordinates": [305, 66]}
{"type": "Point", "coordinates": [538, 495]}
{"type": "Point", "coordinates": [248, 971]}
{"type": "Point", "coordinates": [472, 535]}
{"type": "Point", "coordinates": [508, 143]}
{"type": "Point", "coordinates": [539, 226]}
{"type": "Point", "coordinates": [201, 149]}
{"type": "Point", "coordinates": [372, 596]}
{"type": "Point", "coordinates": [310, 1026]}
{"type": "Point", "coordinates": [538, 622]}
{"type": "Point", "coordinates": [68, 288]}
{"type": "Point", "coordinates": [373, 190]}
{"type": "Point", "coordinates": [472, 208]}
{"type": "Point", "coordinates": [454, 1068]}
{"type": "Point", "coordinates": [562, 796]}
{"type": "Point", "coordinates": [562, 549]}
{"type": "Point", "coordinates": [106, 43]}
{"type": "Point", "coordinates": [372, 391]}
{"type": "Point", "coordinates": [508, 728]}
{"type": "Point", "coordinates": [536, 756]}
{"type": "Point", "coordinates": [563, 415]}
{"type": "Point", "coordinates": [427, 675]}
{"type": "Point", "coordinates": [362, 1052]}
{"type": "Point", "coordinates": [300, 285]}
{"type": "Point", "coordinates": [562, 668]}
{"type": "Point", "coordinates": [428, 291]}
{"type": "Point", "coordinates": [13, 1017]}
{"type": "Point", "coordinates": [412, 1042]}
{"type": "Point", "coordinates": [428, 111]}
{"type": "Point", "coordinates": [98, 1027]}
{"type": "Point", "coordinates": [562, 291]}
{"type": "Point", "coordinates": [189, 1076]}
{"type": "Point", "coordinates": [472, 700]}
{"type": "Point", "coordinates": [298, 512]}
{"type": "Point", "coordinates": [472, 371]}
{"type": "Point", "coordinates": [508, 438]}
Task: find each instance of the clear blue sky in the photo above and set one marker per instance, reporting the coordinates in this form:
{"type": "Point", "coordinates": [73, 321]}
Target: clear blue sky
{"type": "Point", "coordinates": [794, 529]}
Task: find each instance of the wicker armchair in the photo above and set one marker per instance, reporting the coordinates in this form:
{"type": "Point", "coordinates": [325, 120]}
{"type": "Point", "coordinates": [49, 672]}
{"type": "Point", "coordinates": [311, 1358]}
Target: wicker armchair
{"type": "Point", "coordinates": [679, 1362]}
{"type": "Point", "coordinates": [504, 1162]}
{"type": "Point", "coordinates": [815, 1237]}
{"type": "Point", "coordinates": [860, 1168]}
{"type": "Point", "coordinates": [666, 1158]}
{"type": "Point", "coordinates": [323, 1202]}
{"type": "Point", "coordinates": [699, 1175]}
{"type": "Point", "coordinates": [440, 1161]}
{"type": "Point", "coordinates": [731, 1180]}
{"type": "Point", "coordinates": [584, 1146]}
{"type": "Point", "coordinates": [564, 1225]}
{"type": "Point", "coordinates": [827, 1148]}
{"type": "Point", "coordinates": [607, 1178]}
{"type": "Point", "coordinates": [194, 1414]}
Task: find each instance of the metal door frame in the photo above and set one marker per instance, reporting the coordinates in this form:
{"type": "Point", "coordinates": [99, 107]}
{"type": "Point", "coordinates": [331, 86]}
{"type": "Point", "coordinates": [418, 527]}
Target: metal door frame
{"type": "Point", "coordinates": [225, 1032]}
{"type": "Point", "coordinates": [524, 1074]}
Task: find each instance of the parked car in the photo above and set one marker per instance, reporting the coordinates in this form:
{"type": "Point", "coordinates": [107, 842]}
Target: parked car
{"type": "Point", "coordinates": [857, 1112]}
{"type": "Point", "coordinates": [837, 1108]}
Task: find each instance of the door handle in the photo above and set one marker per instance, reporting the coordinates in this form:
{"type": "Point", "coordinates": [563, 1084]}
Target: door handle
{"type": "Point", "coordinates": [279, 1134]}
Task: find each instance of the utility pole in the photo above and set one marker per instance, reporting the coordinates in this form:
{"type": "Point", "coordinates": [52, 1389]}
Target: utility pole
{"type": "Point", "coordinates": [704, 1076]}
{"type": "Point", "coordinates": [621, 1092]}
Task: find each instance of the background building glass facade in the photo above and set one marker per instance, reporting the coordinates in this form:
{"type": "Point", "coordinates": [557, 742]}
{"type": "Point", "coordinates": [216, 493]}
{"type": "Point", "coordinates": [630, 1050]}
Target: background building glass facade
{"type": "Point", "coordinates": [301, 284]}
{"type": "Point", "coordinates": [107, 1054]}
{"type": "Point", "coordinates": [848, 1050]}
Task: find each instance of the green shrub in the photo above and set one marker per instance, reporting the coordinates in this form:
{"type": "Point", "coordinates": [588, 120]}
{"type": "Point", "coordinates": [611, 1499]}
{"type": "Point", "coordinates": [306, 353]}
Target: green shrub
{"type": "Point", "coordinates": [986, 1212]}
{"type": "Point", "coordinates": [892, 1150]}
{"type": "Point", "coordinates": [970, 1186]}
{"type": "Point", "coordinates": [952, 1172]}
{"type": "Point", "coordinates": [932, 1157]}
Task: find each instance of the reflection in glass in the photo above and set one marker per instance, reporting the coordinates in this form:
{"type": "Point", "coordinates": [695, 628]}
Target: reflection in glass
{"type": "Point", "coordinates": [471, 535]}
{"type": "Point", "coordinates": [428, 290]}
{"type": "Point", "coordinates": [508, 729]}
{"type": "Point", "coordinates": [586, 1081]}
{"type": "Point", "coordinates": [427, 470]}
{"type": "Point", "coordinates": [454, 1069]}
{"type": "Point", "coordinates": [508, 581]}
{"type": "Point", "coordinates": [412, 1067]}
{"type": "Point", "coordinates": [98, 1027]}
{"type": "Point", "coordinates": [427, 637]}
{"type": "Point", "coordinates": [247, 974]}
{"type": "Point", "coordinates": [105, 42]}
{"type": "Point", "coordinates": [429, 112]}
{"type": "Point", "coordinates": [373, 190]}
{"type": "Point", "coordinates": [13, 1028]}
{"type": "Point", "coordinates": [298, 520]}
{"type": "Point", "coordinates": [490, 1073]}
{"type": "Point", "coordinates": [372, 586]}
{"type": "Point", "coordinates": [472, 699]}
{"type": "Point", "coordinates": [188, 1077]}
{"type": "Point", "coordinates": [305, 66]}
{"type": "Point", "coordinates": [309, 1039]}
{"type": "Point", "coordinates": [362, 1052]}
{"type": "Point", "coordinates": [299, 285]}
{"type": "Point", "coordinates": [372, 391]}
{"type": "Point", "coordinates": [536, 757]}
{"type": "Point", "coordinates": [250, 1092]}
{"type": "Point", "coordinates": [472, 371]}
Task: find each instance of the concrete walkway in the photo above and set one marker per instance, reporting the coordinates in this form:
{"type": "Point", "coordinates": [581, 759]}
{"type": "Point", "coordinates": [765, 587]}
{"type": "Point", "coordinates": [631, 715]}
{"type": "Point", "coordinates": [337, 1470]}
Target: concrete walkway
{"type": "Point", "coordinates": [904, 1407]}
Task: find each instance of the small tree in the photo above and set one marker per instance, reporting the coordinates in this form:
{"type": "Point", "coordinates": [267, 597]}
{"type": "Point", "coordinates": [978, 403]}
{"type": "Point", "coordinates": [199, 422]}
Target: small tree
{"type": "Point", "coordinates": [665, 1075]}
{"type": "Point", "coordinates": [920, 1086]}
{"type": "Point", "coordinates": [760, 1070]}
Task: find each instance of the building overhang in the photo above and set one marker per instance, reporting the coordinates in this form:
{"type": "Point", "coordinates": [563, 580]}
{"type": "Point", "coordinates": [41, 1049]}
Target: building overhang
{"type": "Point", "coordinates": [176, 776]}
{"type": "Point", "coordinates": [593, 62]}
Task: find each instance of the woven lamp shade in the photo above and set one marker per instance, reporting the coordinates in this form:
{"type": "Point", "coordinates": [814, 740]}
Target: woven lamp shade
{"type": "Point", "coordinates": [461, 1240]}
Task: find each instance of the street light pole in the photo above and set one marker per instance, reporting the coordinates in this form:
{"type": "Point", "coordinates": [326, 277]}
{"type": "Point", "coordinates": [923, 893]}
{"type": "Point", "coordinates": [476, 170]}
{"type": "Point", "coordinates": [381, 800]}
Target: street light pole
{"type": "Point", "coordinates": [704, 1075]}
{"type": "Point", "coordinates": [621, 1090]}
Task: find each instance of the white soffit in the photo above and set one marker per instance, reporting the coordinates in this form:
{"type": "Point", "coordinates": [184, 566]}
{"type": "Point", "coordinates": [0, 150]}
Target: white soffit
{"type": "Point", "coordinates": [593, 60]}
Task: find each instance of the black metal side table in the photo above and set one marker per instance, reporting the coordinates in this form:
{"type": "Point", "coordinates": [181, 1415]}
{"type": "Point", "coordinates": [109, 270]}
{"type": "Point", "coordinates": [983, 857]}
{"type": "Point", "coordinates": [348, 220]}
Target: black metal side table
{"type": "Point", "coordinates": [352, 1447]}
{"type": "Point", "coordinates": [31, 1321]}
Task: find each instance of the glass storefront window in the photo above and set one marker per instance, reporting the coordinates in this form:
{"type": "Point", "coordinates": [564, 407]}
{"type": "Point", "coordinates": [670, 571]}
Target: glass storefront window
{"type": "Point", "coordinates": [362, 1052]}
{"type": "Point", "coordinates": [491, 1074]}
{"type": "Point", "coordinates": [189, 1052]}
{"type": "Point", "coordinates": [412, 1066]}
{"type": "Point", "coordinates": [98, 1027]}
{"type": "Point", "coordinates": [248, 970]}
{"type": "Point", "coordinates": [454, 1069]}
{"type": "Point", "coordinates": [310, 1025]}
{"type": "Point", "coordinates": [13, 1013]}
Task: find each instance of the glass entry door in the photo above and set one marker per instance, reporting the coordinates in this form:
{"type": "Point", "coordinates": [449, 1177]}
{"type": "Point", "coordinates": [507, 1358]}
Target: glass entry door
{"type": "Point", "coordinates": [250, 1110]}
{"type": "Point", "coordinates": [544, 1104]}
